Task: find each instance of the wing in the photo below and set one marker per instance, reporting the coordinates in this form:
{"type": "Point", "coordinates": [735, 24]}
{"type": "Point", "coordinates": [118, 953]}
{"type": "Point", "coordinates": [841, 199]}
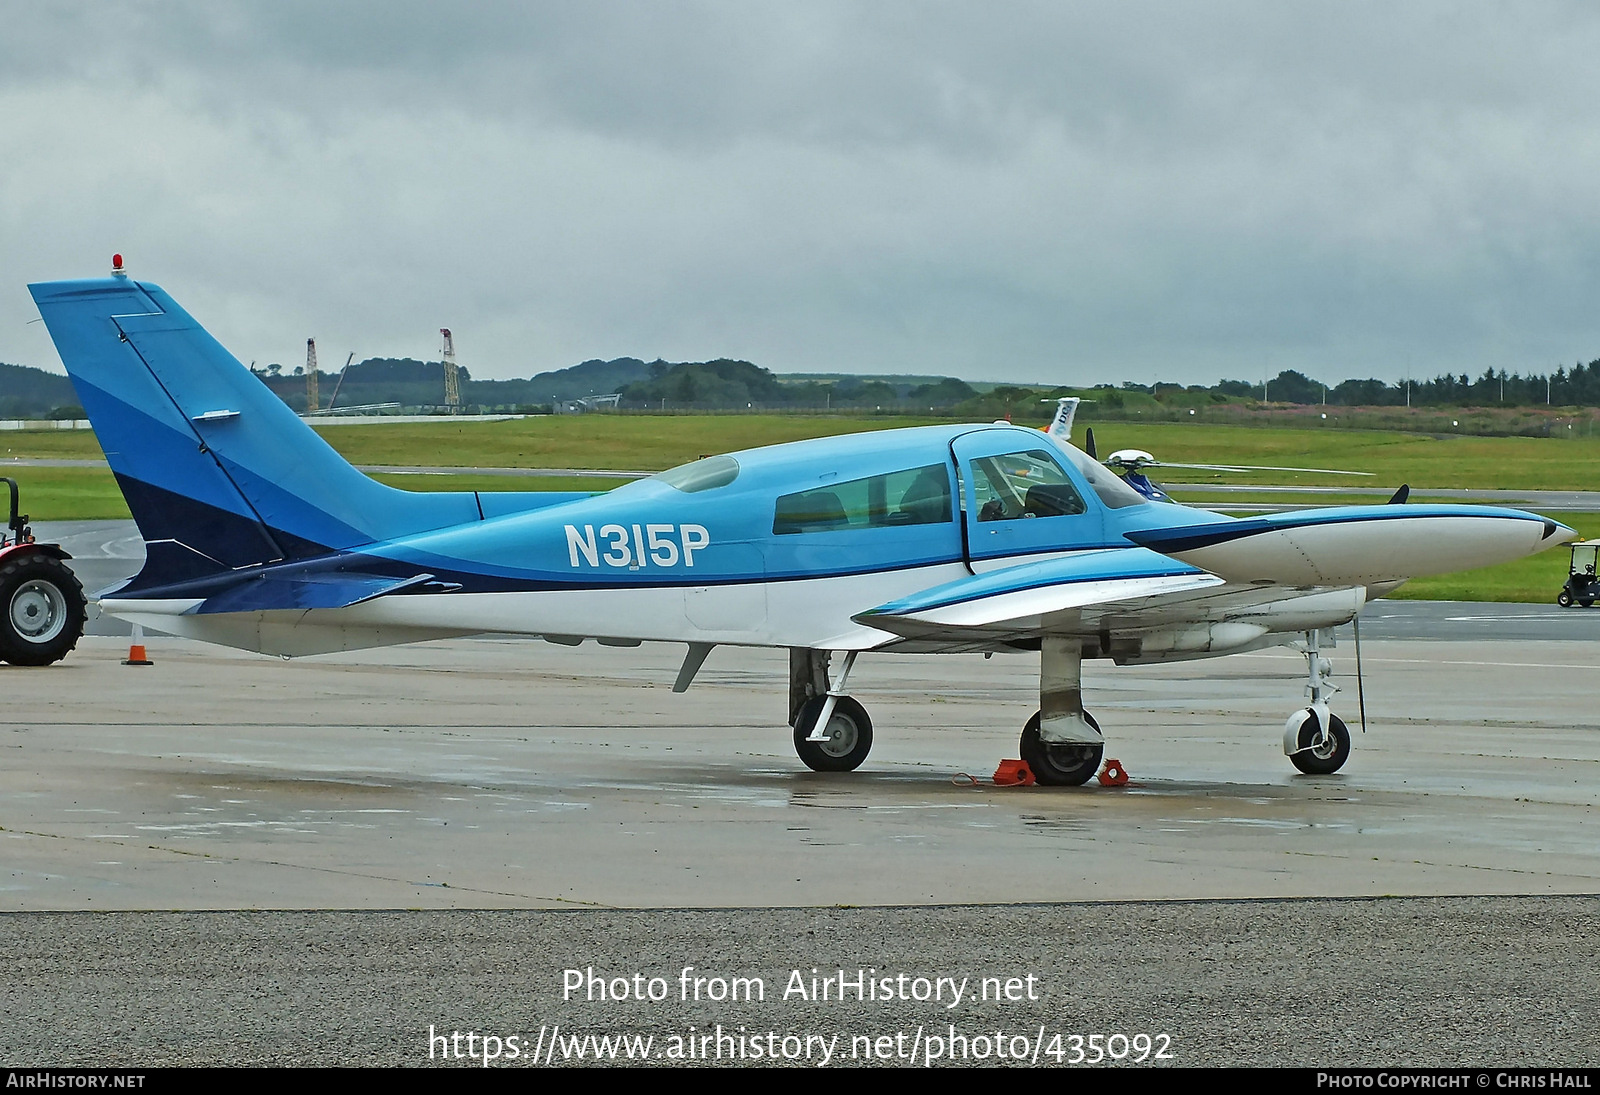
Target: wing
{"type": "Point", "coordinates": [1132, 604]}
{"type": "Point", "coordinates": [1216, 586]}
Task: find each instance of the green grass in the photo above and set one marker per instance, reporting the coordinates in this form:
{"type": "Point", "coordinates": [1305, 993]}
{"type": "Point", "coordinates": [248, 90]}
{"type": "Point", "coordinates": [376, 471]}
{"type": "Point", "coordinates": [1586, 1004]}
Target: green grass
{"type": "Point", "coordinates": [56, 444]}
{"type": "Point", "coordinates": [1526, 463]}
{"type": "Point", "coordinates": [599, 441]}
{"type": "Point", "coordinates": [69, 494]}
{"type": "Point", "coordinates": [1247, 499]}
{"type": "Point", "coordinates": [650, 443]}
{"type": "Point", "coordinates": [91, 494]}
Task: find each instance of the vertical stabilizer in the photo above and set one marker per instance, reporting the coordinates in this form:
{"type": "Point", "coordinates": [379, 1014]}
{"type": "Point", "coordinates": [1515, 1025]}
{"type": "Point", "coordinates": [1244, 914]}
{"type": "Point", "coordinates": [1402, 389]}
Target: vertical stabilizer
{"type": "Point", "coordinates": [218, 472]}
{"type": "Point", "coordinates": [1060, 426]}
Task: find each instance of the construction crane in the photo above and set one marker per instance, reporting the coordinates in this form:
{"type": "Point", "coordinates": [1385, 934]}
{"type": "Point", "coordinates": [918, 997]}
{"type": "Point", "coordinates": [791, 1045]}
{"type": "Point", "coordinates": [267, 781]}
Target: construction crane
{"type": "Point", "coordinates": [340, 383]}
{"type": "Point", "coordinates": [311, 376]}
{"type": "Point", "coordinates": [452, 375]}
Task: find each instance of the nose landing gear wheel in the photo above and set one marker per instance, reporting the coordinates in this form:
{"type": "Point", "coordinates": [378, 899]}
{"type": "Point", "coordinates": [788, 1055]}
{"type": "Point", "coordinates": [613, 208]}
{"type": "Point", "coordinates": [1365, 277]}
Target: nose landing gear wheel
{"type": "Point", "coordinates": [1321, 757]}
{"type": "Point", "coordinates": [41, 610]}
{"type": "Point", "coordinates": [1060, 765]}
{"type": "Point", "coordinates": [848, 741]}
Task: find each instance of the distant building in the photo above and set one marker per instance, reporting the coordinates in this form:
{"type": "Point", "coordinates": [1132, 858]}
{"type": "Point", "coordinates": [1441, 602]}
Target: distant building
{"type": "Point", "coordinates": [587, 403]}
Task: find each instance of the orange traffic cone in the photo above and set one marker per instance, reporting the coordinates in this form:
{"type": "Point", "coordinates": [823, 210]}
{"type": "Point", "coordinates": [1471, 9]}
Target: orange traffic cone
{"type": "Point", "coordinates": [136, 654]}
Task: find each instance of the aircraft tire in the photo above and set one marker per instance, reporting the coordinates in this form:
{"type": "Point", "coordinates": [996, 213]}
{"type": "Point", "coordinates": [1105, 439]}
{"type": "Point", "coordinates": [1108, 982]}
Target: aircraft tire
{"type": "Point", "coordinates": [42, 610]}
{"type": "Point", "coordinates": [849, 736]}
{"type": "Point", "coordinates": [1060, 765]}
{"type": "Point", "coordinates": [1332, 757]}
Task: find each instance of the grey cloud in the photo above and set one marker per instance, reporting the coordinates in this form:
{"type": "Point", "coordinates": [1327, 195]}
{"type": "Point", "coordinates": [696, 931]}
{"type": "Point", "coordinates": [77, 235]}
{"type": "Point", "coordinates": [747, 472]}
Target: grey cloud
{"type": "Point", "coordinates": [1013, 190]}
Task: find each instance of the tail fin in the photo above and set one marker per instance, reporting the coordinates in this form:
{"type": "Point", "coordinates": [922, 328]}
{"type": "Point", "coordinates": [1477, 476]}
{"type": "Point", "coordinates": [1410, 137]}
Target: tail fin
{"type": "Point", "coordinates": [1061, 425]}
{"type": "Point", "coordinates": [218, 471]}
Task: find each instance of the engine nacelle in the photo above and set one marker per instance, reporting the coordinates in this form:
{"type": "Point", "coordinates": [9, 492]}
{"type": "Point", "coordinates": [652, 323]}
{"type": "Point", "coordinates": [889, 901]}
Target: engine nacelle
{"type": "Point", "coordinates": [1190, 642]}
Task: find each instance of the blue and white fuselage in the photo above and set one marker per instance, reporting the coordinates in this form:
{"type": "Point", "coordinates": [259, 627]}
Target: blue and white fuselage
{"type": "Point", "coordinates": [655, 561]}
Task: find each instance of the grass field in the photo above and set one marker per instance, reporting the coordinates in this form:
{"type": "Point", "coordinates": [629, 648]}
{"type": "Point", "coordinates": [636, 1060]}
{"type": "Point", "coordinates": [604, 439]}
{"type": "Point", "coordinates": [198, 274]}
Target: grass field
{"type": "Point", "coordinates": [650, 443]}
{"type": "Point", "coordinates": [619, 442]}
{"type": "Point", "coordinates": [1422, 460]}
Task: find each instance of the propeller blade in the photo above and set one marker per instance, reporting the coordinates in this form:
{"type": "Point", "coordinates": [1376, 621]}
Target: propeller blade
{"type": "Point", "coordinates": [1256, 467]}
{"type": "Point", "coordinates": [1361, 688]}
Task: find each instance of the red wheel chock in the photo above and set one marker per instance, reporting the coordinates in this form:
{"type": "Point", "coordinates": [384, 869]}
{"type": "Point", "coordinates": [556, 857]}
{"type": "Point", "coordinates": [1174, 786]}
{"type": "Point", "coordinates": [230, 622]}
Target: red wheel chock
{"type": "Point", "coordinates": [1113, 774]}
{"type": "Point", "coordinates": [1013, 773]}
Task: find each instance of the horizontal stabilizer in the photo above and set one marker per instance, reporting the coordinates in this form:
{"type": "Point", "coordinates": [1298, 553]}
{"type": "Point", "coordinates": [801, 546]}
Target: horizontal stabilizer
{"type": "Point", "coordinates": [315, 590]}
{"type": "Point", "coordinates": [1018, 599]}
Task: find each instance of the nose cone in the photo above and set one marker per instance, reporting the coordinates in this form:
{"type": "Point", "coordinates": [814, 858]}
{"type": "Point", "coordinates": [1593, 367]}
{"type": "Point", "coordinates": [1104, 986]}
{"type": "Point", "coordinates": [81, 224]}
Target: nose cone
{"type": "Point", "coordinates": [1557, 533]}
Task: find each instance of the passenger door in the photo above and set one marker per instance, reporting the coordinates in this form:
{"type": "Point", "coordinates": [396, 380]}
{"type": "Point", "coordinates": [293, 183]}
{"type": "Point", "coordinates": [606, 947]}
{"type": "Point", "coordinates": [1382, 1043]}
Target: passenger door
{"type": "Point", "coordinates": [1021, 499]}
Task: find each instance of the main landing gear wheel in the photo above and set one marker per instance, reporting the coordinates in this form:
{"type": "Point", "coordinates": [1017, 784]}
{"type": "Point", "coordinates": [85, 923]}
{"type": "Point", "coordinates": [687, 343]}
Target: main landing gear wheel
{"type": "Point", "coordinates": [42, 610]}
{"type": "Point", "coordinates": [1060, 765]}
{"type": "Point", "coordinates": [1321, 754]}
{"type": "Point", "coordinates": [848, 740]}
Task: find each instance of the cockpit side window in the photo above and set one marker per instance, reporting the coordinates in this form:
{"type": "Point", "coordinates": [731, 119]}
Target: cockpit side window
{"type": "Point", "coordinates": [916, 496]}
{"type": "Point", "coordinates": [1023, 484]}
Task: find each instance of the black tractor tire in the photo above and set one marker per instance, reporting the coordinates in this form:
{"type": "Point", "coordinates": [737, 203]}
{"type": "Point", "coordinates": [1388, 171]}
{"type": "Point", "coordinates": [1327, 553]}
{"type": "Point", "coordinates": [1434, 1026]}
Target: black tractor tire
{"type": "Point", "coordinates": [42, 610]}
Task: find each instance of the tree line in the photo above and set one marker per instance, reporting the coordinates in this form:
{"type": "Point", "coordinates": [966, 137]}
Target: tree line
{"type": "Point", "coordinates": [726, 384]}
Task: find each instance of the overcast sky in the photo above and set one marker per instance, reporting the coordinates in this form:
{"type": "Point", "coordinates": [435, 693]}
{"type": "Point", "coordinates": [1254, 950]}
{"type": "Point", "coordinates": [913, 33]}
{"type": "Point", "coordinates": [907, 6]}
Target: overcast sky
{"type": "Point", "coordinates": [1049, 192]}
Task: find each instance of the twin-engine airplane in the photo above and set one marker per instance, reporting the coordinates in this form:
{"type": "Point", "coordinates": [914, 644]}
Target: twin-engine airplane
{"type": "Point", "coordinates": [939, 538]}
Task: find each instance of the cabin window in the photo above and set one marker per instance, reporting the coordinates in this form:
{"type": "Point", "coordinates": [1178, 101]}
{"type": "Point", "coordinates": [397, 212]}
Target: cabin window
{"type": "Point", "coordinates": [918, 496]}
{"type": "Point", "coordinates": [1023, 484]}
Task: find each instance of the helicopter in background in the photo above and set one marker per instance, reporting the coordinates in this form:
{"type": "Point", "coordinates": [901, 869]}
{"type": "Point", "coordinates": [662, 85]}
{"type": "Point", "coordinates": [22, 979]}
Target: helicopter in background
{"type": "Point", "coordinates": [1130, 464]}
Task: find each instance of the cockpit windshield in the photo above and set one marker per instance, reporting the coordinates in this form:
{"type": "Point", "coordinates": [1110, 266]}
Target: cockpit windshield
{"type": "Point", "coordinates": [713, 471]}
{"type": "Point", "coordinates": [1106, 483]}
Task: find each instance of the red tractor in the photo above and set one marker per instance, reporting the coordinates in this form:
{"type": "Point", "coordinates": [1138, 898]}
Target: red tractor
{"type": "Point", "coordinates": [42, 610]}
